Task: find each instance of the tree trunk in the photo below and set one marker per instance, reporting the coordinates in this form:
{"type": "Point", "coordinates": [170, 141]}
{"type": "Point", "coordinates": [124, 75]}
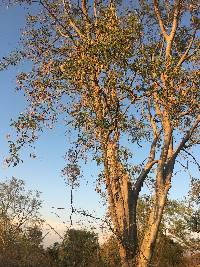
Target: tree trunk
{"type": "Point", "coordinates": [128, 240]}
{"type": "Point", "coordinates": [125, 261]}
{"type": "Point", "coordinates": [122, 204]}
{"type": "Point", "coordinates": [149, 240]}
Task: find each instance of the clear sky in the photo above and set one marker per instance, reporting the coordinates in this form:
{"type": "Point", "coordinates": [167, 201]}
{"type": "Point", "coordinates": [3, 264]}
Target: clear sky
{"type": "Point", "coordinates": [43, 173]}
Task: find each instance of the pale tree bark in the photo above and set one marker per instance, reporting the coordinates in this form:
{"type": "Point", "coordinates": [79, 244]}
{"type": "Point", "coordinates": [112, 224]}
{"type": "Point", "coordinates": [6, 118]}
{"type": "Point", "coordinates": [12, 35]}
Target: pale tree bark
{"type": "Point", "coordinates": [148, 244]}
{"type": "Point", "coordinates": [122, 204]}
{"type": "Point", "coordinates": [166, 160]}
{"type": "Point", "coordinates": [164, 169]}
{"type": "Point", "coordinates": [121, 197]}
{"type": "Point", "coordinates": [155, 217]}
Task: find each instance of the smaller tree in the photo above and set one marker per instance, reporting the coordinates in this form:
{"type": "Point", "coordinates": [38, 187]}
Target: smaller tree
{"type": "Point", "coordinates": [53, 252]}
{"type": "Point", "coordinates": [19, 209]}
{"type": "Point", "coordinates": [20, 226]}
{"type": "Point", "coordinates": [79, 248]}
{"type": "Point", "coordinates": [168, 253]}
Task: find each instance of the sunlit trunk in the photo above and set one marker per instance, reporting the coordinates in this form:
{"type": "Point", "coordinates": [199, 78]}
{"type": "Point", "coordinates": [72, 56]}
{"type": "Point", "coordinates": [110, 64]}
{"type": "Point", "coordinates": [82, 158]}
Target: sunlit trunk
{"type": "Point", "coordinates": [122, 205]}
{"type": "Point", "coordinates": [149, 240]}
{"type": "Point", "coordinates": [129, 242]}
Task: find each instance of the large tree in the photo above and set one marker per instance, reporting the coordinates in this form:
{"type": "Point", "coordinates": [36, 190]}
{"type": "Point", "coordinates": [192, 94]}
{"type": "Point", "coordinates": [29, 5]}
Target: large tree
{"type": "Point", "coordinates": [124, 80]}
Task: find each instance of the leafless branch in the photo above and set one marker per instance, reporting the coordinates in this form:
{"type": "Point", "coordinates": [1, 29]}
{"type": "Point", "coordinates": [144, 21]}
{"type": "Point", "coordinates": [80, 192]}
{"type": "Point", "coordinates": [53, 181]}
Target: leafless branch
{"type": "Point", "coordinates": [184, 56]}
{"type": "Point", "coordinates": [186, 138]}
{"type": "Point", "coordinates": [194, 159]}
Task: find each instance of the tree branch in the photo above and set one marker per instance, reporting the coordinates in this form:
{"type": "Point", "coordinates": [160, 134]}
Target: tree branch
{"type": "Point", "coordinates": [194, 159]}
{"type": "Point", "coordinates": [143, 175]}
{"type": "Point", "coordinates": [158, 14]}
{"type": "Point", "coordinates": [175, 20]}
{"type": "Point", "coordinates": [84, 8]}
{"type": "Point", "coordinates": [75, 27]}
{"type": "Point", "coordinates": [184, 56]}
{"type": "Point", "coordinates": [56, 20]}
{"type": "Point", "coordinates": [186, 138]}
{"type": "Point", "coordinates": [95, 10]}
{"type": "Point", "coordinates": [174, 28]}
{"type": "Point", "coordinates": [71, 21]}
{"type": "Point", "coordinates": [152, 121]}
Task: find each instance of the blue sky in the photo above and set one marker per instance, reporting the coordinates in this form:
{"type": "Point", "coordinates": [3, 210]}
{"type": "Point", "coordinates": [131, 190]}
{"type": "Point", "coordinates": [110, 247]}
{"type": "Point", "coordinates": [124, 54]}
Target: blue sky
{"type": "Point", "coordinates": [43, 173]}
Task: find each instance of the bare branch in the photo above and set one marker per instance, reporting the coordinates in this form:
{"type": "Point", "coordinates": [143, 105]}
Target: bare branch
{"type": "Point", "coordinates": [62, 33]}
{"type": "Point", "coordinates": [151, 119]}
{"type": "Point", "coordinates": [194, 159]}
{"type": "Point", "coordinates": [52, 228]}
{"type": "Point", "coordinates": [156, 102]}
{"type": "Point", "coordinates": [76, 28]}
{"type": "Point", "coordinates": [186, 138]}
{"type": "Point", "coordinates": [184, 56]}
{"type": "Point", "coordinates": [71, 21]}
{"type": "Point", "coordinates": [185, 167]}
